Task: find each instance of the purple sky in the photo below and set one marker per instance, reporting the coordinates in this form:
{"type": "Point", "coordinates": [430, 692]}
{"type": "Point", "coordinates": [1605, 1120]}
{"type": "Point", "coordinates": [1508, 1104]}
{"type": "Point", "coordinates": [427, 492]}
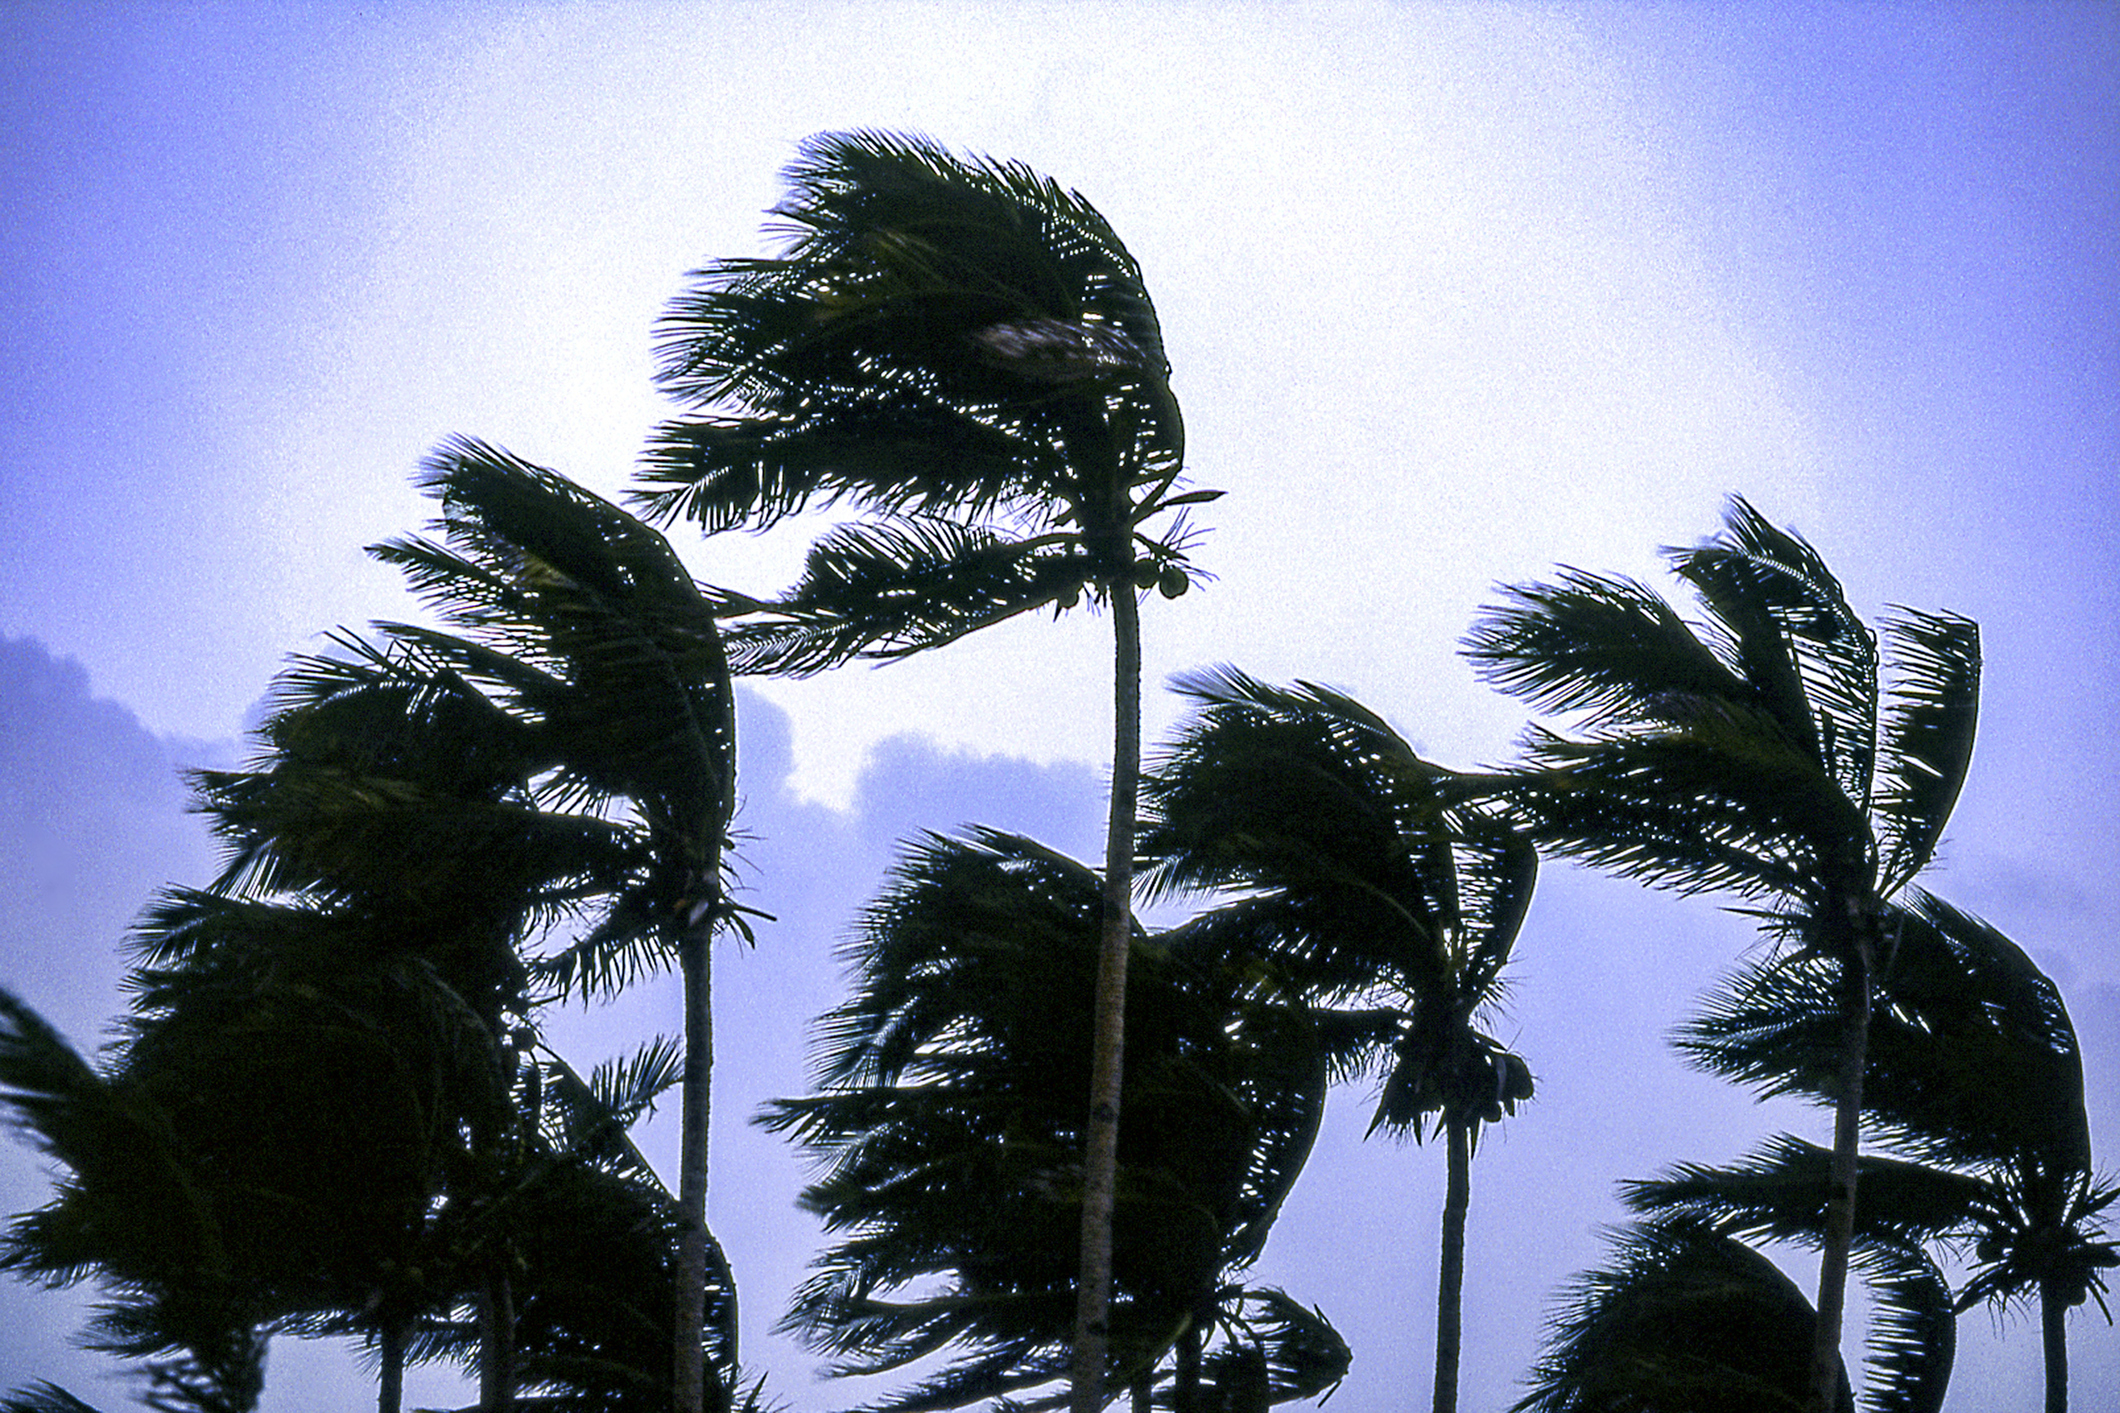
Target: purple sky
{"type": "Point", "coordinates": [1453, 294]}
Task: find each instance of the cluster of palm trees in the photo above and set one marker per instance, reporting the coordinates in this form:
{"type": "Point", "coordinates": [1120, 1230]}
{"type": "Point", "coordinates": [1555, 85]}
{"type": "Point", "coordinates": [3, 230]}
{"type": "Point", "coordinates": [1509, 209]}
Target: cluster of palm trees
{"type": "Point", "coordinates": [1051, 1138]}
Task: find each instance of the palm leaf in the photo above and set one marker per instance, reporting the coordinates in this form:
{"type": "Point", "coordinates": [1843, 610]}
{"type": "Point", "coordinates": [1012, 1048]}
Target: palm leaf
{"type": "Point", "coordinates": [1684, 1317]}
{"type": "Point", "coordinates": [887, 591]}
{"type": "Point", "coordinates": [1927, 736]}
{"type": "Point", "coordinates": [949, 1124]}
{"type": "Point", "coordinates": [1785, 624]}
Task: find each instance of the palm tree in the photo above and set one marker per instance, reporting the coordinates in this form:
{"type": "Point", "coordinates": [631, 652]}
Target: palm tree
{"type": "Point", "coordinates": [322, 1072]}
{"type": "Point", "coordinates": [1369, 877]}
{"type": "Point", "coordinates": [948, 1124]}
{"type": "Point", "coordinates": [1976, 1083]}
{"type": "Point", "coordinates": [135, 1210]}
{"type": "Point", "coordinates": [1685, 1317]}
{"type": "Point", "coordinates": [967, 354]}
{"type": "Point", "coordinates": [567, 749]}
{"type": "Point", "coordinates": [1759, 755]}
{"type": "Point", "coordinates": [581, 619]}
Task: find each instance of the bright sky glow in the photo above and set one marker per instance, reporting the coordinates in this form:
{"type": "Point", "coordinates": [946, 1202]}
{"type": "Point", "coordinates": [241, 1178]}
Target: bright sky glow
{"type": "Point", "coordinates": [1453, 293]}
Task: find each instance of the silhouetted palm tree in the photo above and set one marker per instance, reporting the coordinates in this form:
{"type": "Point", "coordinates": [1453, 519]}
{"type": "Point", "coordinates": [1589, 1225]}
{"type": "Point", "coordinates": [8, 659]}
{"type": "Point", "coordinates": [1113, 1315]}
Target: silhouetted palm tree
{"type": "Point", "coordinates": [135, 1210]}
{"type": "Point", "coordinates": [1369, 878]}
{"type": "Point", "coordinates": [568, 747]}
{"type": "Point", "coordinates": [580, 619]}
{"type": "Point", "coordinates": [1759, 754]}
{"type": "Point", "coordinates": [1975, 1083]}
{"type": "Point", "coordinates": [966, 354]}
{"type": "Point", "coordinates": [949, 1122]}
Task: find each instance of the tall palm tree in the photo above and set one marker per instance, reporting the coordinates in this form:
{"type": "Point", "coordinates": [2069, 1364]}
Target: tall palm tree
{"type": "Point", "coordinates": [949, 1125]}
{"type": "Point", "coordinates": [1369, 878]}
{"type": "Point", "coordinates": [1975, 1082]}
{"type": "Point", "coordinates": [965, 354]}
{"type": "Point", "coordinates": [567, 748]}
{"type": "Point", "coordinates": [1759, 754]}
{"type": "Point", "coordinates": [580, 618]}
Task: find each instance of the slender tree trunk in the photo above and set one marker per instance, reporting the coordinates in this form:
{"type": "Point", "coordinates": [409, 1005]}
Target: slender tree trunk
{"type": "Point", "coordinates": [688, 1382]}
{"type": "Point", "coordinates": [1450, 1278]}
{"type": "Point", "coordinates": [390, 1384]}
{"type": "Point", "coordinates": [2053, 1331]}
{"type": "Point", "coordinates": [688, 1385]}
{"type": "Point", "coordinates": [1101, 1161]}
{"type": "Point", "coordinates": [1840, 1201]}
{"type": "Point", "coordinates": [496, 1318]}
{"type": "Point", "coordinates": [1185, 1385]}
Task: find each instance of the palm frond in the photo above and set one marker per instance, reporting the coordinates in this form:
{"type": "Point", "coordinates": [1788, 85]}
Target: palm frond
{"type": "Point", "coordinates": [1785, 624]}
{"type": "Point", "coordinates": [1605, 647]}
{"type": "Point", "coordinates": [1683, 1317]}
{"type": "Point", "coordinates": [890, 590]}
{"type": "Point", "coordinates": [1926, 737]}
{"type": "Point", "coordinates": [1779, 1194]}
{"type": "Point", "coordinates": [43, 1397]}
{"type": "Point", "coordinates": [1913, 1332]}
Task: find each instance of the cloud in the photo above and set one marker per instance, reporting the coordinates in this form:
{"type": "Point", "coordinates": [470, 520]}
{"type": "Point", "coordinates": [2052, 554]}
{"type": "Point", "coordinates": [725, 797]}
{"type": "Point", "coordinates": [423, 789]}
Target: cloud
{"type": "Point", "coordinates": [91, 823]}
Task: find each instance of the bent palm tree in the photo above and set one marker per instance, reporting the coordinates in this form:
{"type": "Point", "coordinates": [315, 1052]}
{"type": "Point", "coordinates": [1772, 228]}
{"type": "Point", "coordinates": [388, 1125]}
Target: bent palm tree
{"type": "Point", "coordinates": [966, 354]}
{"type": "Point", "coordinates": [569, 746]}
{"type": "Point", "coordinates": [1974, 1079]}
{"type": "Point", "coordinates": [1759, 755]}
{"type": "Point", "coordinates": [1369, 877]}
{"type": "Point", "coordinates": [950, 1120]}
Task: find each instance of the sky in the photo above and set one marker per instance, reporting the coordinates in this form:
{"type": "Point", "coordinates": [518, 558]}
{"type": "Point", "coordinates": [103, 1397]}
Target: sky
{"type": "Point", "coordinates": [1453, 293]}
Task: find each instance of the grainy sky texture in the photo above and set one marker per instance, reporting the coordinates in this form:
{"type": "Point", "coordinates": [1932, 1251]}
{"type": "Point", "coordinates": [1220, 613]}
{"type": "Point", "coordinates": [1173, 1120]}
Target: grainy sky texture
{"type": "Point", "coordinates": [1453, 293]}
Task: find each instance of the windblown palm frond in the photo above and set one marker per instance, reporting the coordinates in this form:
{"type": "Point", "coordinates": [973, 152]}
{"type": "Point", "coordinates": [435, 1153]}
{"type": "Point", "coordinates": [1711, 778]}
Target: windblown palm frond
{"type": "Point", "coordinates": [950, 1122]}
{"type": "Point", "coordinates": [43, 1397]}
{"type": "Point", "coordinates": [1684, 1317]}
{"type": "Point", "coordinates": [1375, 892]}
{"type": "Point", "coordinates": [889, 590]}
{"type": "Point", "coordinates": [1760, 753]}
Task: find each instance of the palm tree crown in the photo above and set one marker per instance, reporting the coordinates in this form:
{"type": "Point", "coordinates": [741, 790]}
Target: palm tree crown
{"type": "Point", "coordinates": [1372, 886]}
{"type": "Point", "coordinates": [950, 1125]}
{"type": "Point", "coordinates": [966, 354]}
{"type": "Point", "coordinates": [1763, 754]}
{"type": "Point", "coordinates": [1974, 1083]}
{"type": "Point", "coordinates": [959, 346]}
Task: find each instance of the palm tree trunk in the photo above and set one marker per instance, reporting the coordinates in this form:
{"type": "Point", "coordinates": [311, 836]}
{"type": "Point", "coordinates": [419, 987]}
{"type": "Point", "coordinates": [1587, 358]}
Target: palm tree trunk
{"type": "Point", "coordinates": [1450, 1279]}
{"type": "Point", "coordinates": [1185, 1385]}
{"type": "Point", "coordinates": [390, 1382]}
{"type": "Point", "coordinates": [695, 960]}
{"type": "Point", "coordinates": [1101, 1161]}
{"type": "Point", "coordinates": [496, 1318]}
{"type": "Point", "coordinates": [1840, 1200]}
{"type": "Point", "coordinates": [2053, 1330]}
